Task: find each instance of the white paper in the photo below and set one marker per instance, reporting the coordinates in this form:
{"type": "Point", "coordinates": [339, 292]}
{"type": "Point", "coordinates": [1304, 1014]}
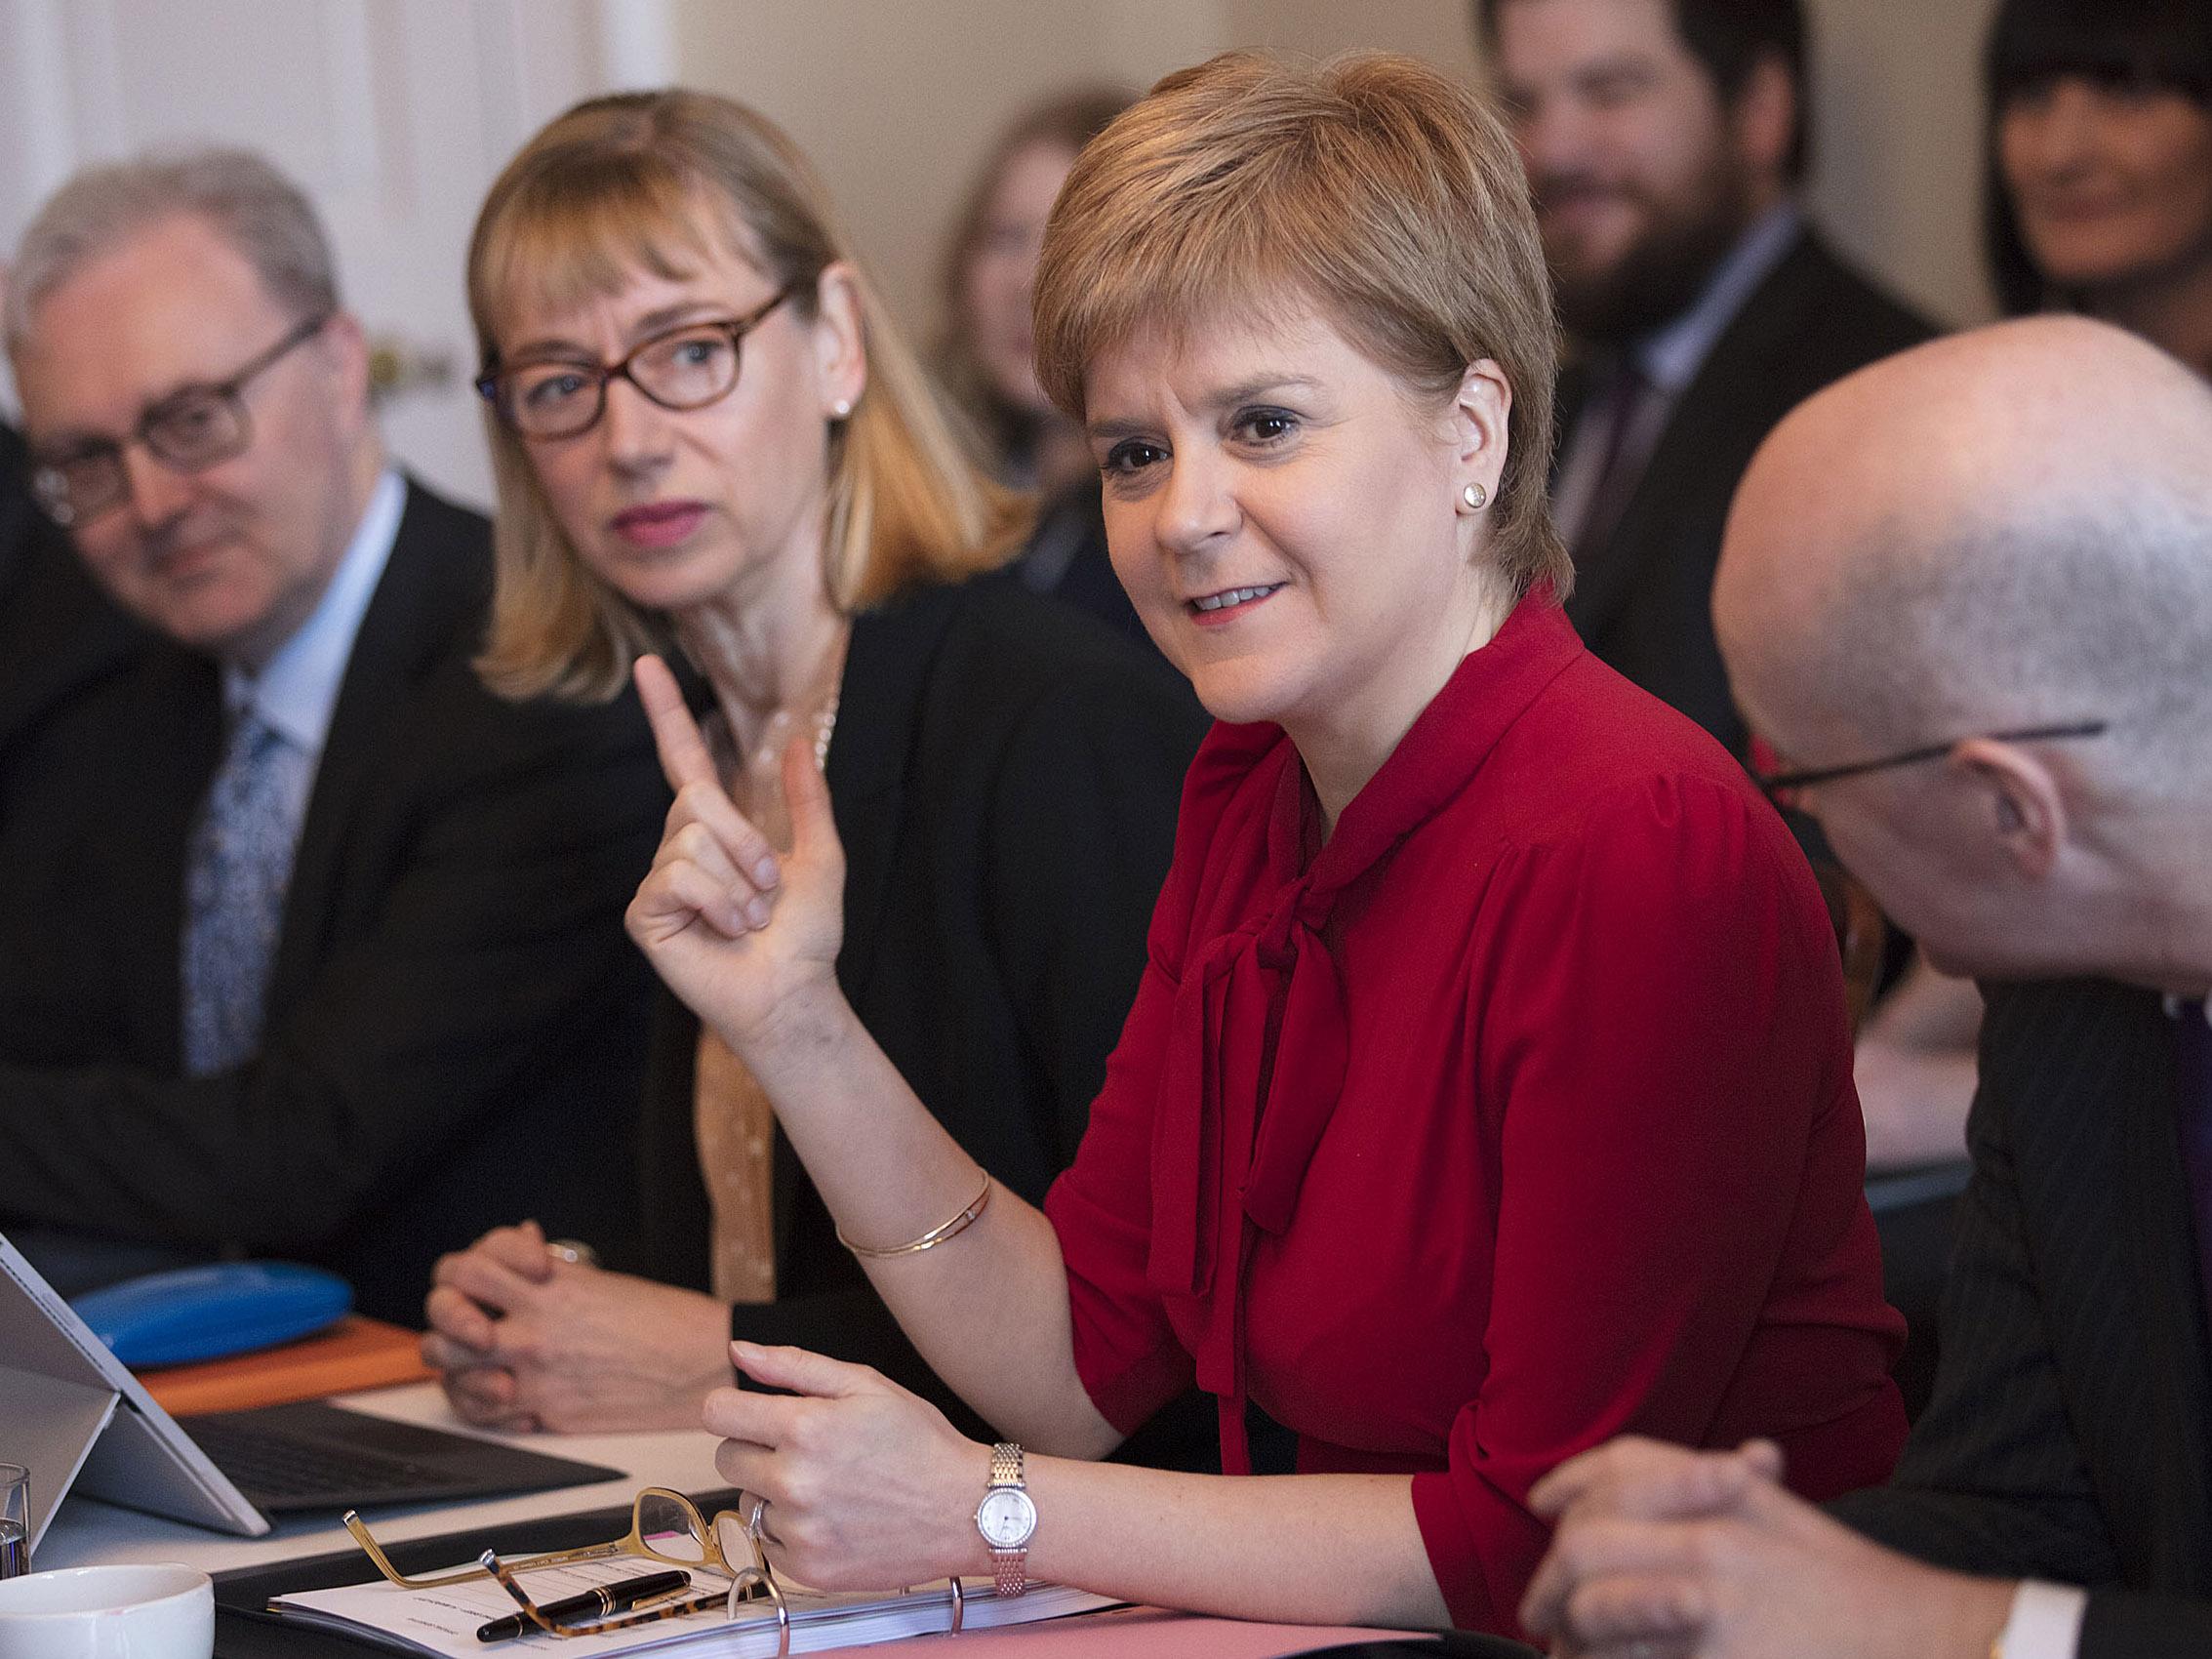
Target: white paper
{"type": "Point", "coordinates": [444, 1622]}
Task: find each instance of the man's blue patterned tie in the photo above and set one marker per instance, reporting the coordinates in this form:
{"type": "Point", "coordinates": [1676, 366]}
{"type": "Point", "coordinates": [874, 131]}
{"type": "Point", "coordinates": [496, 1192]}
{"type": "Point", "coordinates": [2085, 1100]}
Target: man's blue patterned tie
{"type": "Point", "coordinates": [234, 882]}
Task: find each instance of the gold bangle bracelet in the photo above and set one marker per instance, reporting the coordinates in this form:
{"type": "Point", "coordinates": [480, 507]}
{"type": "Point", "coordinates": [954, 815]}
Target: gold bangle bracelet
{"type": "Point", "coordinates": [934, 1237]}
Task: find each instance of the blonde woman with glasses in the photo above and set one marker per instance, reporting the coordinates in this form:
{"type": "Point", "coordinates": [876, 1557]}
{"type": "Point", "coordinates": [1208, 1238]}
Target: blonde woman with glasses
{"type": "Point", "coordinates": [713, 450]}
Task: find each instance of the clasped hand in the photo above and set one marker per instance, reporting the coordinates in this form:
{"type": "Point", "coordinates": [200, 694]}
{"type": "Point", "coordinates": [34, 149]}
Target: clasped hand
{"type": "Point", "coordinates": [1668, 1554]}
{"type": "Point", "coordinates": [868, 1486]}
{"type": "Point", "coordinates": [521, 1339]}
{"type": "Point", "coordinates": [734, 928]}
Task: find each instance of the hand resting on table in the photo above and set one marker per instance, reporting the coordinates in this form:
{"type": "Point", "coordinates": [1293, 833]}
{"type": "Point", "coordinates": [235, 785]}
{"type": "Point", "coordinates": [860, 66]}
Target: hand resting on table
{"type": "Point", "coordinates": [522, 1339]}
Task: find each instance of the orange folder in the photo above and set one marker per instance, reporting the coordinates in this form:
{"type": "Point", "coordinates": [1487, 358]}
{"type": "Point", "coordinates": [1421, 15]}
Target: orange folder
{"type": "Point", "coordinates": [353, 1354]}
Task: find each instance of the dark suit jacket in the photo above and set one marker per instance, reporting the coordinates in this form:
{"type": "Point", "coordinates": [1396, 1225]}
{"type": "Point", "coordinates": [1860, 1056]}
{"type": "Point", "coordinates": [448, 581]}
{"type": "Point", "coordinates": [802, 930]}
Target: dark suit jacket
{"type": "Point", "coordinates": [1643, 599]}
{"type": "Point", "coordinates": [2068, 1436]}
{"type": "Point", "coordinates": [455, 1020]}
{"type": "Point", "coordinates": [1005, 776]}
{"type": "Point", "coordinates": [59, 634]}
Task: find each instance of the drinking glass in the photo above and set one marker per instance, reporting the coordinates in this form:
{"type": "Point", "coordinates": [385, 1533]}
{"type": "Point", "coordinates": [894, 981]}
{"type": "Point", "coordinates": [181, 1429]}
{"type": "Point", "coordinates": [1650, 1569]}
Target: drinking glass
{"type": "Point", "coordinates": [14, 1520]}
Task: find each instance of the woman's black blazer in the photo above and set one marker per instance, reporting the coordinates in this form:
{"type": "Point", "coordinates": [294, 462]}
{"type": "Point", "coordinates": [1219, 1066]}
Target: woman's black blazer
{"type": "Point", "coordinates": [1005, 776]}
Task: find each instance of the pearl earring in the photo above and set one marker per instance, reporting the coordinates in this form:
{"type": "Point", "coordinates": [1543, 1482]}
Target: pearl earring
{"type": "Point", "coordinates": [841, 408]}
{"type": "Point", "coordinates": [1475, 495]}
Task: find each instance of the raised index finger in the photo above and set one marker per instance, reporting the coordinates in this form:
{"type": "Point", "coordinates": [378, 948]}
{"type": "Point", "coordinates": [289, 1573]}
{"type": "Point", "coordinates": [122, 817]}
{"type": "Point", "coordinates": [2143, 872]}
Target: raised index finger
{"type": "Point", "coordinates": [684, 759]}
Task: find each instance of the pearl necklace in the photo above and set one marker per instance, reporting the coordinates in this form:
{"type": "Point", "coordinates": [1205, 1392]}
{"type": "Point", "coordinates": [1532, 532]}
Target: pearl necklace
{"type": "Point", "coordinates": [777, 735]}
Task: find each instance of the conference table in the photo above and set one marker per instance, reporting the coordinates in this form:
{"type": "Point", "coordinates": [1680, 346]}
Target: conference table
{"type": "Point", "coordinates": [86, 1532]}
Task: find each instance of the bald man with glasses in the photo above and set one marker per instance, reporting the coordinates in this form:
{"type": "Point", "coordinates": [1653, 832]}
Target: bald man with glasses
{"type": "Point", "coordinates": [1968, 593]}
{"type": "Point", "coordinates": [308, 945]}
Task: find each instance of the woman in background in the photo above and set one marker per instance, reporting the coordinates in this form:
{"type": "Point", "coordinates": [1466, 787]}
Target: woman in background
{"type": "Point", "coordinates": [711, 442]}
{"type": "Point", "coordinates": [988, 360]}
{"type": "Point", "coordinates": [1488, 1088]}
{"type": "Point", "coordinates": [2100, 180]}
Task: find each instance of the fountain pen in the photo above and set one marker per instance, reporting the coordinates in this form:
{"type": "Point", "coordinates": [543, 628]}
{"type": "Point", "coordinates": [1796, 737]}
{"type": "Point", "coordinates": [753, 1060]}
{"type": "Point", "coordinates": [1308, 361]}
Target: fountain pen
{"type": "Point", "coordinates": [603, 1603]}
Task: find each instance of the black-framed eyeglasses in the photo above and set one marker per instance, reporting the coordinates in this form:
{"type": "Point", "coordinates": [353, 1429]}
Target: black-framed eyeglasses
{"type": "Point", "coordinates": [1780, 786]}
{"type": "Point", "coordinates": [191, 429]}
{"type": "Point", "coordinates": [683, 367]}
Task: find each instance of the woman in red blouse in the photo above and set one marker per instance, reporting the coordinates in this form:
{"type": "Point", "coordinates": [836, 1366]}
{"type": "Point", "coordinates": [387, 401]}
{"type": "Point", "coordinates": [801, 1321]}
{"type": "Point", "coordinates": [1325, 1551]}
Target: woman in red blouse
{"type": "Point", "coordinates": [1488, 1092]}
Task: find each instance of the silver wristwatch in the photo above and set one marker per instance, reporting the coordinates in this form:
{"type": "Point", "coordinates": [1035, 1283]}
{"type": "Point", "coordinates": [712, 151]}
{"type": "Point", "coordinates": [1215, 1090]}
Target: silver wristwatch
{"type": "Point", "coordinates": [1007, 1517]}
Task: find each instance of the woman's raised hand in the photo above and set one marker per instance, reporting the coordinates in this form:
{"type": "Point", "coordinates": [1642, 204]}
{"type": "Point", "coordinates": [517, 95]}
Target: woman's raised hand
{"type": "Point", "coordinates": [736, 930]}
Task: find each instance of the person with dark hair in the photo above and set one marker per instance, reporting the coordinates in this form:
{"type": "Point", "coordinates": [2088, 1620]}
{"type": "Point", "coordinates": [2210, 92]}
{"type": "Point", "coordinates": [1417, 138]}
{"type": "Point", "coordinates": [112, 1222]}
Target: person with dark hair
{"type": "Point", "coordinates": [987, 358]}
{"type": "Point", "coordinates": [1663, 141]}
{"type": "Point", "coordinates": [2098, 193]}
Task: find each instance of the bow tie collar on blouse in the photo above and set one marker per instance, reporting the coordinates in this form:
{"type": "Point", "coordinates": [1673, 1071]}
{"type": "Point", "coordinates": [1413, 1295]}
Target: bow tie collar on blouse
{"type": "Point", "coordinates": [1258, 1039]}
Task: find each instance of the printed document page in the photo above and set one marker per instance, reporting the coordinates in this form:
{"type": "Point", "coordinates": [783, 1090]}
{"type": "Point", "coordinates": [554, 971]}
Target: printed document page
{"type": "Point", "coordinates": [444, 1622]}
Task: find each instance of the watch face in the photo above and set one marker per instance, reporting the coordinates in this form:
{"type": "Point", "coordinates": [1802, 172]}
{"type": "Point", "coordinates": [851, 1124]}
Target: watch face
{"type": "Point", "coordinates": [1006, 1517]}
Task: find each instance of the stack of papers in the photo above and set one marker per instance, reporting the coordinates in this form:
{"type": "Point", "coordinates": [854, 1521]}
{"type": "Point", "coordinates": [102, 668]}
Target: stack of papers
{"type": "Point", "coordinates": [444, 1622]}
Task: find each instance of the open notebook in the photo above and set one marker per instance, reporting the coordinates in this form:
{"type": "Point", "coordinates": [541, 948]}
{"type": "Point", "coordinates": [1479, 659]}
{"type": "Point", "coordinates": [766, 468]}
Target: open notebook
{"type": "Point", "coordinates": [444, 1621]}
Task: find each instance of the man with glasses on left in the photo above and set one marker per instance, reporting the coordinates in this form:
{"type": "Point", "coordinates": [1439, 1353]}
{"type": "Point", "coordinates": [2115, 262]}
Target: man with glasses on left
{"type": "Point", "coordinates": [308, 945]}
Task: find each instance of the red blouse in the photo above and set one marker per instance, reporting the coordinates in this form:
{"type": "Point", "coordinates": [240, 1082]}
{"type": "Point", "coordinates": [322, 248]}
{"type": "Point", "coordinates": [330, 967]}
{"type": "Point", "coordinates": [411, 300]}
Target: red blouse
{"type": "Point", "coordinates": [1559, 1138]}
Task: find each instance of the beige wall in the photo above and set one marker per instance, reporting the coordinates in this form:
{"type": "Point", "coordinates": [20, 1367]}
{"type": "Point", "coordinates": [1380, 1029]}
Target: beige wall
{"type": "Point", "coordinates": [1898, 125]}
{"type": "Point", "coordinates": [897, 101]}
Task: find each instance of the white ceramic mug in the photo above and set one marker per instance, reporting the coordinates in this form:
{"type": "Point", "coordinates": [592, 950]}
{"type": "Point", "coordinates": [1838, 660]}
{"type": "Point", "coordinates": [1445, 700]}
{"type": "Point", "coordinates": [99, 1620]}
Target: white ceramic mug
{"type": "Point", "coordinates": [161, 1611]}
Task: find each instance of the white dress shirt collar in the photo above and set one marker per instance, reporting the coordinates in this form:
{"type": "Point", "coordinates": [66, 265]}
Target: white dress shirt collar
{"type": "Point", "coordinates": [1670, 356]}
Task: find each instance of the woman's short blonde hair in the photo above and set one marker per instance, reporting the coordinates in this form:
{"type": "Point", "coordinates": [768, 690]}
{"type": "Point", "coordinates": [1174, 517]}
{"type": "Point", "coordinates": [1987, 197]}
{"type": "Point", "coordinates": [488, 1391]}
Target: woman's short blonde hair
{"type": "Point", "coordinates": [661, 181]}
{"type": "Point", "coordinates": [1373, 188]}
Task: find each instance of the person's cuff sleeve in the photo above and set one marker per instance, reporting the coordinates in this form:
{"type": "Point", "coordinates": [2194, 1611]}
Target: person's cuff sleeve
{"type": "Point", "coordinates": [2045, 1622]}
{"type": "Point", "coordinates": [1480, 1586]}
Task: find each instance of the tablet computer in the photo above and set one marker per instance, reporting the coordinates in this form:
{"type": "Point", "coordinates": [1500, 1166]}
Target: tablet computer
{"type": "Point", "coordinates": [73, 1415]}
